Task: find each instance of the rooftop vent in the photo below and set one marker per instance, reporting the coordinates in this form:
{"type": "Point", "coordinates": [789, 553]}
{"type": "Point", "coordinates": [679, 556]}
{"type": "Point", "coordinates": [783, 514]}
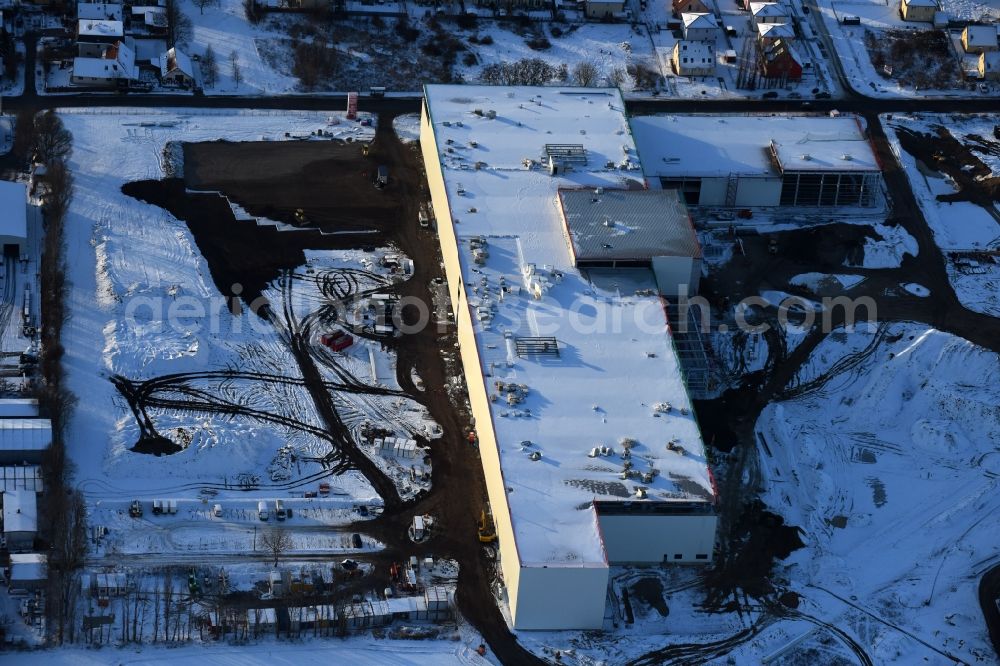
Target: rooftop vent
{"type": "Point", "coordinates": [846, 157]}
{"type": "Point", "coordinates": [806, 157]}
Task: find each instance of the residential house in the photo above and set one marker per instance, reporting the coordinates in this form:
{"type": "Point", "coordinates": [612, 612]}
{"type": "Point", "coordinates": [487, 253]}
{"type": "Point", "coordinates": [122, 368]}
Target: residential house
{"type": "Point", "coordinates": [693, 58]}
{"type": "Point", "coordinates": [780, 63]}
{"type": "Point", "coordinates": [979, 38]}
{"type": "Point", "coordinates": [700, 27]}
{"type": "Point", "coordinates": [99, 31]}
{"type": "Point", "coordinates": [768, 33]}
{"type": "Point", "coordinates": [20, 519]}
{"type": "Point", "coordinates": [918, 10]}
{"type": "Point", "coordinates": [114, 68]}
{"type": "Point", "coordinates": [679, 7]}
{"type": "Point", "coordinates": [768, 12]}
{"type": "Point", "coordinates": [989, 65]}
{"type": "Point", "coordinates": [149, 21]}
{"type": "Point", "coordinates": [603, 9]}
{"type": "Point", "coordinates": [176, 68]}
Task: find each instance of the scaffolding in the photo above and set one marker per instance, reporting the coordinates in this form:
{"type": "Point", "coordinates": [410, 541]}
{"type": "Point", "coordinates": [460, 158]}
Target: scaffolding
{"type": "Point", "coordinates": [690, 347]}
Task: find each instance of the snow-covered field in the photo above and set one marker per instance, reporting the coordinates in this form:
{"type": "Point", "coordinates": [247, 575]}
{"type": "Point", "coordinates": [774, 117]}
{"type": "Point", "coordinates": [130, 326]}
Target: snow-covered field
{"type": "Point", "coordinates": [360, 651]}
{"type": "Point", "coordinates": [890, 470]}
{"type": "Point", "coordinates": [888, 252]}
{"type": "Point", "coordinates": [136, 275]}
{"type": "Point", "coordinates": [959, 226]}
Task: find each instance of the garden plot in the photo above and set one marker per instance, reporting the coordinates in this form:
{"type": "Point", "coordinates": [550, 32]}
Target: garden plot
{"type": "Point", "coordinates": [883, 455]}
{"type": "Point", "coordinates": [151, 343]}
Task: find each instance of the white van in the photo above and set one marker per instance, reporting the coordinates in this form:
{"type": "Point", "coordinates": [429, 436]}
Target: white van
{"type": "Point", "coordinates": [262, 512]}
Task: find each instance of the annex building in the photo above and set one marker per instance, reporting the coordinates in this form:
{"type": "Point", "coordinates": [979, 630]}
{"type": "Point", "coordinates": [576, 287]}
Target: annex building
{"type": "Point", "coordinates": [748, 161]}
{"type": "Point", "coordinates": [556, 254]}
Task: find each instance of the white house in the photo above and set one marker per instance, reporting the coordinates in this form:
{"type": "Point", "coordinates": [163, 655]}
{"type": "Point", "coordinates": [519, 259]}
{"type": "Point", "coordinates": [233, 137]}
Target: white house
{"type": "Point", "coordinates": [116, 67]}
{"type": "Point", "coordinates": [979, 38]}
{"type": "Point", "coordinates": [699, 27]}
{"type": "Point", "coordinates": [770, 32]}
{"type": "Point", "coordinates": [768, 12]}
{"type": "Point", "coordinates": [921, 11]}
{"type": "Point", "coordinates": [176, 68]}
{"type": "Point", "coordinates": [693, 58]}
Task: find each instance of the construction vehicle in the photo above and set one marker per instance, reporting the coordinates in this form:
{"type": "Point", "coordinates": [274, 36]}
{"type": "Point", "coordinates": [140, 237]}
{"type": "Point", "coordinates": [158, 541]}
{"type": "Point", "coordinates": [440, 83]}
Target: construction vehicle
{"type": "Point", "coordinates": [135, 509]}
{"type": "Point", "coordinates": [487, 533]}
{"type": "Point", "coordinates": [300, 217]}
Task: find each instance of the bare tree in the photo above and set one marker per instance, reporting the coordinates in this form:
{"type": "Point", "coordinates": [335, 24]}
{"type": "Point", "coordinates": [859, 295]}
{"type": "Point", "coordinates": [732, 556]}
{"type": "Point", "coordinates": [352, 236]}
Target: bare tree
{"type": "Point", "coordinates": [277, 540]}
{"type": "Point", "coordinates": [585, 73]}
{"type": "Point", "coordinates": [209, 67]}
{"type": "Point", "coordinates": [234, 60]}
{"type": "Point", "coordinates": [617, 77]}
{"type": "Point", "coordinates": [53, 142]}
{"type": "Point", "coordinates": [178, 23]}
{"type": "Point", "coordinates": [202, 4]}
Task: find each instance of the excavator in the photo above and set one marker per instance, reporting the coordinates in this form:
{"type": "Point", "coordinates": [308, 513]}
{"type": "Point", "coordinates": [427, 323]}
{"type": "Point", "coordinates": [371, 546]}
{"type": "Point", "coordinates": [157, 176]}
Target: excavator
{"type": "Point", "coordinates": [487, 532]}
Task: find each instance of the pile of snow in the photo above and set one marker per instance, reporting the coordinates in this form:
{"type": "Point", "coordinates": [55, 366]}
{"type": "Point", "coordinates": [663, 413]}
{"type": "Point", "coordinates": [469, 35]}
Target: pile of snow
{"type": "Point", "coordinates": [407, 127]}
{"type": "Point", "coordinates": [821, 283]}
{"type": "Point", "coordinates": [917, 289]}
{"type": "Point", "coordinates": [889, 251]}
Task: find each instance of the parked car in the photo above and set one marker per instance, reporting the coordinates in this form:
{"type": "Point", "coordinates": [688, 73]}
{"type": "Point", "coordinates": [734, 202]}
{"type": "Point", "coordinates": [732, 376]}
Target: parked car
{"type": "Point", "coordinates": [356, 540]}
{"type": "Point", "coordinates": [262, 511]}
{"type": "Point", "coordinates": [770, 94]}
{"type": "Point", "coordinates": [382, 177]}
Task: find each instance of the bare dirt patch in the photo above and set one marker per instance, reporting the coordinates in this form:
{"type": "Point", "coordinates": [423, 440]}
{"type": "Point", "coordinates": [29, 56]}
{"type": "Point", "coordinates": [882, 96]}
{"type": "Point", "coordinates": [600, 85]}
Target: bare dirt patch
{"type": "Point", "coordinates": [921, 59]}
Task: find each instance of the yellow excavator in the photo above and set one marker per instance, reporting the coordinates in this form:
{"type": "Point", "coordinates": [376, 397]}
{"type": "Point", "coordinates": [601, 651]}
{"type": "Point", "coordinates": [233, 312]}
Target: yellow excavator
{"type": "Point", "coordinates": [487, 533]}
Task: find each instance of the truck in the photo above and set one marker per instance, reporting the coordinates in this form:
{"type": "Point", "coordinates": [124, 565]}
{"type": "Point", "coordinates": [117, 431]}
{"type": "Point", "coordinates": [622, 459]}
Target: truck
{"type": "Point", "coordinates": [423, 218]}
{"type": "Point", "coordinates": [217, 511]}
{"type": "Point", "coordinates": [135, 509]}
{"type": "Point", "coordinates": [157, 507]}
{"type": "Point", "coordinates": [381, 176]}
{"type": "Point", "coordinates": [170, 506]}
{"type": "Point", "coordinates": [279, 510]}
{"type": "Point", "coordinates": [262, 511]}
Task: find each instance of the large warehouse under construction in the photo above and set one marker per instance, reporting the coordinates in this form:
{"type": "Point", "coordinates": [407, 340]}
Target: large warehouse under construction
{"type": "Point", "coordinates": [556, 259]}
{"type": "Point", "coordinates": [748, 161]}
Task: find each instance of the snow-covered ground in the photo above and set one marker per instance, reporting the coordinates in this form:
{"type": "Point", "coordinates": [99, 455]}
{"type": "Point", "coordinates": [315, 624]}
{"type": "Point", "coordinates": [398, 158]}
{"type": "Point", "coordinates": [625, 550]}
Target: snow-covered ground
{"type": "Point", "coordinates": [960, 226]}
{"type": "Point", "coordinates": [890, 470]}
{"type": "Point", "coordinates": [132, 265]}
{"type": "Point", "coordinates": [360, 651]}
{"type": "Point", "coordinates": [822, 283]}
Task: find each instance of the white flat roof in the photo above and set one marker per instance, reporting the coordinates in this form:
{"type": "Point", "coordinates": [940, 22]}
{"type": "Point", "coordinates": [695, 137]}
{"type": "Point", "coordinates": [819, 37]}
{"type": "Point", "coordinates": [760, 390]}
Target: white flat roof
{"type": "Point", "coordinates": [25, 434]}
{"type": "Point", "coordinates": [13, 209]}
{"type": "Point", "coordinates": [27, 567]}
{"type": "Point", "coordinates": [18, 407]}
{"type": "Point", "coordinates": [719, 145]}
{"type": "Point", "coordinates": [606, 380]}
{"type": "Point", "coordinates": [20, 511]}
{"type": "Point", "coordinates": [100, 28]}
{"type": "Point", "coordinates": [98, 11]}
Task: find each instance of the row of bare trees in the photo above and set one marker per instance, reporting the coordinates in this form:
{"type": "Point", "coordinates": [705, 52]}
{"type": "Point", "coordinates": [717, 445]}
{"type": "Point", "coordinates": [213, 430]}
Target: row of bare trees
{"type": "Point", "coordinates": [64, 524]}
